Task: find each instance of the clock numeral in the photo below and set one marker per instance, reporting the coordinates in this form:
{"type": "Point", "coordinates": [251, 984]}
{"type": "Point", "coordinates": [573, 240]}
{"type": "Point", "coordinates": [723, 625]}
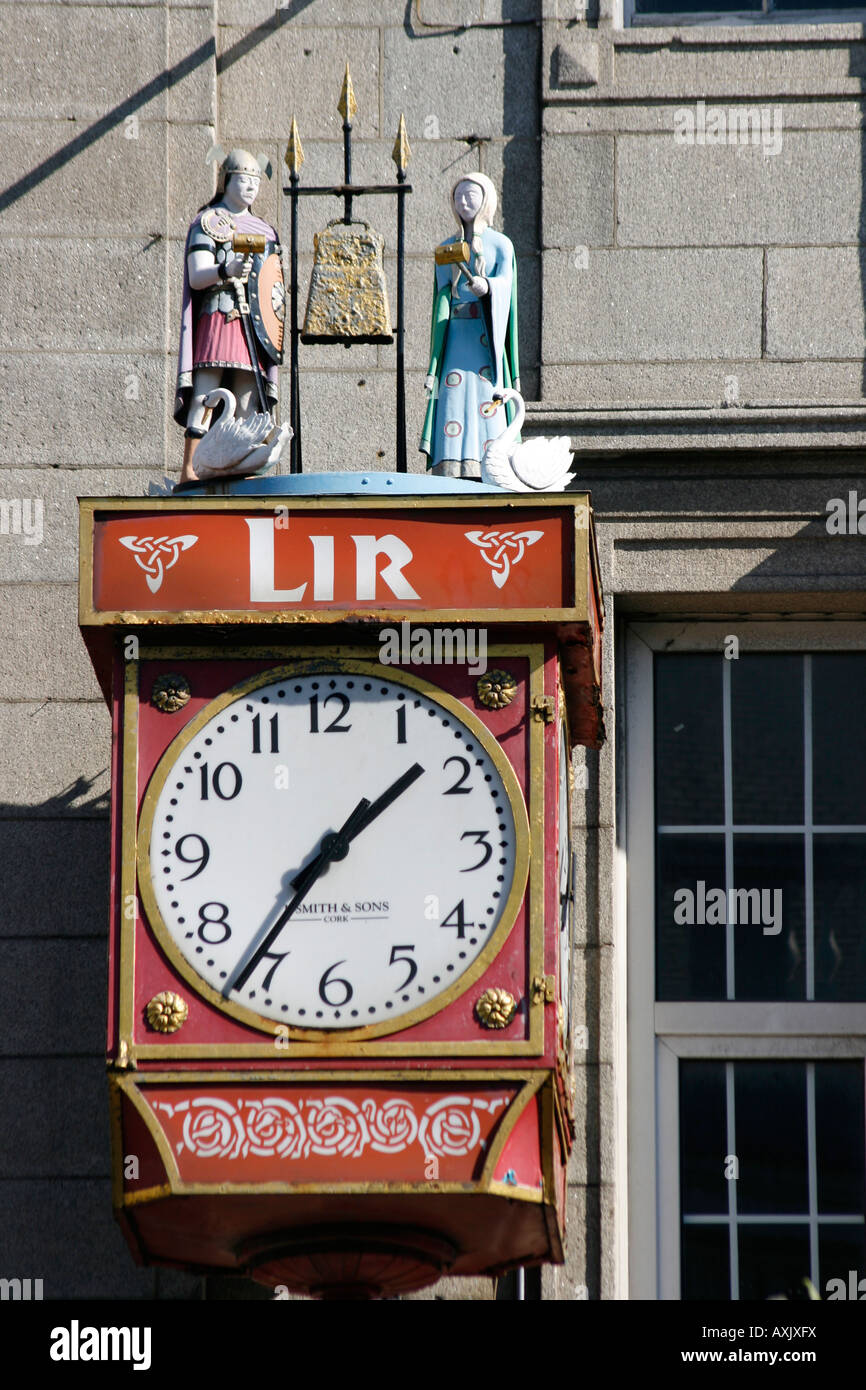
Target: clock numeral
{"type": "Point", "coordinates": [401, 724]}
{"type": "Point", "coordinates": [480, 838]}
{"type": "Point", "coordinates": [219, 778]}
{"type": "Point", "coordinates": [257, 733]}
{"type": "Point", "coordinates": [458, 789]}
{"type": "Point", "coordinates": [220, 922]}
{"type": "Point", "coordinates": [335, 727]}
{"type": "Point", "coordinates": [397, 959]}
{"type": "Point", "coordinates": [325, 984]}
{"type": "Point", "coordinates": [460, 923]}
{"type": "Point", "coordinates": [200, 859]}
{"type": "Point", "coordinates": [277, 957]}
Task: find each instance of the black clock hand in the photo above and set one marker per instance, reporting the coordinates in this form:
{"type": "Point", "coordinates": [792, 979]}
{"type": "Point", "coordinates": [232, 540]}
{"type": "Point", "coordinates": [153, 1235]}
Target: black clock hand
{"type": "Point", "coordinates": [382, 802]}
{"type": "Point", "coordinates": [335, 845]}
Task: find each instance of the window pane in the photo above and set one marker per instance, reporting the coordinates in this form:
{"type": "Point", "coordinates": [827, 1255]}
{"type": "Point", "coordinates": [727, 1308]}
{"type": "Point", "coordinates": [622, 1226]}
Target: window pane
{"type": "Point", "coordinates": [839, 1136]}
{"type": "Point", "coordinates": [705, 1263]}
{"type": "Point", "coordinates": [695, 6]}
{"type": "Point", "coordinates": [839, 738]}
{"type": "Point", "coordinates": [771, 1139]}
{"type": "Point", "coordinates": [769, 938]}
{"type": "Point", "coordinates": [767, 739]}
{"type": "Point", "coordinates": [688, 740]}
{"type": "Point", "coordinates": [840, 917]}
{"type": "Point", "coordinates": [690, 953]}
{"type": "Point", "coordinates": [842, 1251]}
{"type": "Point", "coordinates": [773, 1260]}
{"type": "Point", "coordinates": [703, 1144]}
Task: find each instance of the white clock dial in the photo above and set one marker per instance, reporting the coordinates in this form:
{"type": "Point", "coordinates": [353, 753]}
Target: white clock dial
{"type": "Point", "coordinates": [247, 880]}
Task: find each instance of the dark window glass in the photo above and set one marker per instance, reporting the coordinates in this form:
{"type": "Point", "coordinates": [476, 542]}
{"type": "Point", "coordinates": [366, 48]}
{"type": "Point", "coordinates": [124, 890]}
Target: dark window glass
{"type": "Point", "coordinates": [774, 1260]}
{"type": "Point", "coordinates": [839, 738]}
{"type": "Point", "coordinates": [771, 1137]}
{"type": "Point", "coordinates": [739, 6]}
{"type": "Point", "coordinates": [839, 1137]}
{"type": "Point", "coordinates": [842, 1251]}
{"type": "Point", "coordinates": [703, 1185]}
{"type": "Point", "coordinates": [695, 7]}
{"type": "Point", "coordinates": [840, 917]}
{"type": "Point", "coordinates": [688, 740]}
{"type": "Point", "coordinates": [705, 1263]}
{"type": "Point", "coordinates": [769, 938]}
{"type": "Point", "coordinates": [767, 739]}
{"type": "Point", "coordinates": [690, 954]}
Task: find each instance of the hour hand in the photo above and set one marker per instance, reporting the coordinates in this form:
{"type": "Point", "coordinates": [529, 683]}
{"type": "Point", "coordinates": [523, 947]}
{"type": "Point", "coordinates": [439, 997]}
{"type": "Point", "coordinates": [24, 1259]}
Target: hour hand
{"type": "Point", "coordinates": [335, 845]}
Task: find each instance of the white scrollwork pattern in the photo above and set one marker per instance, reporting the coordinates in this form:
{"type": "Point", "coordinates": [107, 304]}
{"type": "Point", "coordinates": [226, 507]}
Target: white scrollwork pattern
{"type": "Point", "coordinates": [393, 1127]}
{"type": "Point", "coordinates": [451, 1127]}
{"type": "Point", "coordinates": [331, 1126]}
{"type": "Point", "coordinates": [212, 1128]}
{"type": "Point", "coordinates": [336, 1126]}
{"type": "Point", "coordinates": [275, 1128]}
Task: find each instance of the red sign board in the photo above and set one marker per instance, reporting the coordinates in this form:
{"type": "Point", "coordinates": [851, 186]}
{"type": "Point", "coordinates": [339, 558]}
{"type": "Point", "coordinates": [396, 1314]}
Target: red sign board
{"type": "Point", "coordinates": [516, 558]}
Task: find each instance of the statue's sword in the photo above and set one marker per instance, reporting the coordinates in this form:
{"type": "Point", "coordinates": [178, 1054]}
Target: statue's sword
{"type": "Point", "coordinates": [249, 243]}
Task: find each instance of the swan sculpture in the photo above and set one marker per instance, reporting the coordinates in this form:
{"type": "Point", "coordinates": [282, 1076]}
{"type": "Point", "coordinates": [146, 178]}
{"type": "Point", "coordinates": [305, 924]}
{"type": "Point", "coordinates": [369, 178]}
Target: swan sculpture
{"type": "Point", "coordinates": [238, 446]}
{"type": "Point", "coordinates": [536, 465]}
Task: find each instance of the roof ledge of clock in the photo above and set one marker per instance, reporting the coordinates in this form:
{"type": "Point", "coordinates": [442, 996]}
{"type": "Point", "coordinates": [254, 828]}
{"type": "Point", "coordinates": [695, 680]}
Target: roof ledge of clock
{"type": "Point", "coordinates": [616, 430]}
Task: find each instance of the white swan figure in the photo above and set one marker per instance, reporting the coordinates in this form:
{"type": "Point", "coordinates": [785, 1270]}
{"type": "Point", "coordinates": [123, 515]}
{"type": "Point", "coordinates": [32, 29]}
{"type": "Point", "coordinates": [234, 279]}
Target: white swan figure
{"type": "Point", "coordinates": [536, 465]}
{"type": "Point", "coordinates": [238, 446]}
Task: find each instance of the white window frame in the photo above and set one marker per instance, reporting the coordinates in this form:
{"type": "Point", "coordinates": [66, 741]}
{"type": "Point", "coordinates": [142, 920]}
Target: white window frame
{"type": "Point", "coordinates": [659, 1034]}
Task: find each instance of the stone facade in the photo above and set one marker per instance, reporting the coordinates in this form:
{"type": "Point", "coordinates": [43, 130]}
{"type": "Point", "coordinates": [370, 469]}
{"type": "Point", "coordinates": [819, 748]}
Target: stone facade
{"type": "Point", "coordinates": [692, 313]}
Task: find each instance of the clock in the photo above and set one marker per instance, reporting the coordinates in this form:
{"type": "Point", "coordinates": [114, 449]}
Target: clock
{"type": "Point", "coordinates": [333, 846]}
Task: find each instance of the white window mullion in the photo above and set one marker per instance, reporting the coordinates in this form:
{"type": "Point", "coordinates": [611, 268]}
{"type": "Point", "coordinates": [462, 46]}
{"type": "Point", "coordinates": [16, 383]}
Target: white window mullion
{"type": "Point", "coordinates": [808, 843]}
{"type": "Point", "coordinates": [729, 827]}
{"type": "Point", "coordinates": [731, 1140]}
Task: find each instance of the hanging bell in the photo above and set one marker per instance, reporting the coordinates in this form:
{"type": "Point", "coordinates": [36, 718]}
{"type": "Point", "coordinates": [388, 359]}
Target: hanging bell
{"type": "Point", "coordinates": [348, 299]}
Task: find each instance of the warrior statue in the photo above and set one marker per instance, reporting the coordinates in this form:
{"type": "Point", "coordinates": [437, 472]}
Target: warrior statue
{"type": "Point", "coordinates": [231, 331]}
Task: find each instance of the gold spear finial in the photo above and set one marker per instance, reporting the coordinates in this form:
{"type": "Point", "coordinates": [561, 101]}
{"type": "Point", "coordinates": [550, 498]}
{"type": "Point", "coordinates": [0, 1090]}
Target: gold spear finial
{"type": "Point", "coordinates": [294, 150]}
{"type": "Point", "coordinates": [347, 105]}
{"type": "Point", "coordinates": [402, 151]}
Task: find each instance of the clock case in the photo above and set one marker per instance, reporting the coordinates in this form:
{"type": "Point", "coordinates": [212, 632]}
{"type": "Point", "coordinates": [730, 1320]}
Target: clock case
{"type": "Point", "coordinates": [505, 1095]}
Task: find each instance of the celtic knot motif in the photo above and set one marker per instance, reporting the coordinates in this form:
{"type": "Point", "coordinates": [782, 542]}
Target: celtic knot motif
{"type": "Point", "coordinates": [502, 549]}
{"type": "Point", "coordinates": [150, 553]}
{"type": "Point", "coordinates": [332, 1126]}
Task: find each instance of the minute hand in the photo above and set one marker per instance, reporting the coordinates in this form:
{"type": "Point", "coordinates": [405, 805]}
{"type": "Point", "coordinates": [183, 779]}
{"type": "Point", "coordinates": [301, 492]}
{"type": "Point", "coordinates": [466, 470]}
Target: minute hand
{"type": "Point", "coordinates": [384, 801]}
{"type": "Point", "coordinates": [334, 846]}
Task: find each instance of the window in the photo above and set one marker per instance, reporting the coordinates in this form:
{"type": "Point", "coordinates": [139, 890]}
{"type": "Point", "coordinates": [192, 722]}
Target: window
{"type": "Point", "coordinates": [741, 11]}
{"type": "Point", "coordinates": [746, 843]}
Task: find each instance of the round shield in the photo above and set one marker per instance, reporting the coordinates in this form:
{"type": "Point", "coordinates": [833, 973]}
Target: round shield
{"type": "Point", "coordinates": [267, 295]}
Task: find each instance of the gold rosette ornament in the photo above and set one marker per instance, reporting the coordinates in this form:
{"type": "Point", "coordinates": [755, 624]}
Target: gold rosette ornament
{"type": "Point", "coordinates": [496, 689]}
{"type": "Point", "coordinates": [170, 692]}
{"type": "Point", "coordinates": [495, 1008]}
{"type": "Point", "coordinates": [167, 1012]}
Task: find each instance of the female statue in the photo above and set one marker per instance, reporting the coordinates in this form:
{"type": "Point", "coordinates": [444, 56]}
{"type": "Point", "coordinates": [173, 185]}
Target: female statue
{"type": "Point", "coordinates": [473, 348]}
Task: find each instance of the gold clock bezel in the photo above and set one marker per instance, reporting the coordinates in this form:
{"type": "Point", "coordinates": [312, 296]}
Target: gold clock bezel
{"type": "Point", "coordinates": [241, 1013]}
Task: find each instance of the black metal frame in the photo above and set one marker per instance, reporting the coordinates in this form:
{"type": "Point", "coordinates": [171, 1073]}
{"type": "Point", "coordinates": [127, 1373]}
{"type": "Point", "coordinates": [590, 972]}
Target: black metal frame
{"type": "Point", "coordinates": [347, 191]}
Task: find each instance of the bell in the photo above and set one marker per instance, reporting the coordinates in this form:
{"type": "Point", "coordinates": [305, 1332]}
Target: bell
{"type": "Point", "coordinates": [348, 299]}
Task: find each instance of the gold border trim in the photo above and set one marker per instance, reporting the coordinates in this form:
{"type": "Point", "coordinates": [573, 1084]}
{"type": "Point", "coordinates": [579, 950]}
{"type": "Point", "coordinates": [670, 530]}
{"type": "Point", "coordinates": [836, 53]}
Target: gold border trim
{"type": "Point", "coordinates": [91, 508]}
{"type": "Point", "coordinates": [511, 908]}
{"type": "Point", "coordinates": [133, 1087]}
{"type": "Point", "coordinates": [533, 1045]}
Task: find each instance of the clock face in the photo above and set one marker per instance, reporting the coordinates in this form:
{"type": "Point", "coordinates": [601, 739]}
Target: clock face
{"type": "Point", "coordinates": [333, 849]}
